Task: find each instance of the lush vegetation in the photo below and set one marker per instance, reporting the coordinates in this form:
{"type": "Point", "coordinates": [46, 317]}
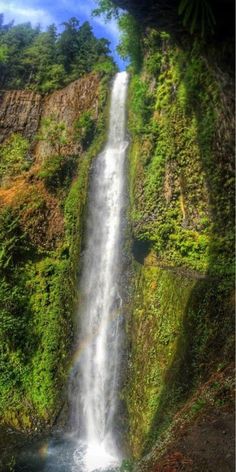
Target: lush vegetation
{"type": "Point", "coordinates": [181, 213]}
{"type": "Point", "coordinates": [182, 200]}
{"type": "Point", "coordinates": [181, 332]}
{"type": "Point", "coordinates": [130, 46]}
{"type": "Point", "coordinates": [41, 227]}
{"type": "Point", "coordinates": [47, 60]}
{"type": "Point", "coordinates": [177, 189]}
{"type": "Point", "coordinates": [43, 198]}
{"type": "Point", "coordinates": [194, 17]}
{"type": "Point", "coordinates": [41, 217]}
{"type": "Point", "coordinates": [14, 157]}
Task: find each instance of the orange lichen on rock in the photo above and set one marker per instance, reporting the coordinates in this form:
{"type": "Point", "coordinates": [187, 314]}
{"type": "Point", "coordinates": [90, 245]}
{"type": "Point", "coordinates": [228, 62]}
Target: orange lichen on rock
{"type": "Point", "coordinates": [39, 211]}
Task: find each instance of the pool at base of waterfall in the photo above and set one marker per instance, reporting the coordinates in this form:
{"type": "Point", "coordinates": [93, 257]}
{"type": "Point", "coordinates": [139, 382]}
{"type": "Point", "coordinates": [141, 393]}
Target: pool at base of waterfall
{"type": "Point", "coordinates": [65, 454]}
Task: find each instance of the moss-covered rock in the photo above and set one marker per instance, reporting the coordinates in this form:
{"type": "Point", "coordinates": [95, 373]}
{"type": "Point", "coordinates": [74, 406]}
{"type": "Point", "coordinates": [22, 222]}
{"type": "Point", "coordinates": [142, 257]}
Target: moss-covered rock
{"type": "Point", "coordinates": [181, 330]}
{"type": "Point", "coordinates": [181, 211]}
{"type": "Point", "coordinates": [182, 159]}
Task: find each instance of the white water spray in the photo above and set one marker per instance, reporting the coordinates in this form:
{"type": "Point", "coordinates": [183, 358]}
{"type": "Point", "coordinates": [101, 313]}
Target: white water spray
{"type": "Point", "coordinates": [95, 406]}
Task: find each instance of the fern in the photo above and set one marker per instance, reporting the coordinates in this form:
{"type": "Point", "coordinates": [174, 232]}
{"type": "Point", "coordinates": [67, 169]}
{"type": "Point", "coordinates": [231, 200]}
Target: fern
{"type": "Point", "coordinates": [197, 16]}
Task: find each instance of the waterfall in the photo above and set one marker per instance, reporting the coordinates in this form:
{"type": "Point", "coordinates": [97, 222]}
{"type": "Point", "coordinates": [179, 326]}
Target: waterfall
{"type": "Point", "coordinates": [96, 380]}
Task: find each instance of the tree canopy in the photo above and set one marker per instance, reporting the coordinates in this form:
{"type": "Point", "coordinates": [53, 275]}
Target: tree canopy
{"type": "Point", "coordinates": [46, 60]}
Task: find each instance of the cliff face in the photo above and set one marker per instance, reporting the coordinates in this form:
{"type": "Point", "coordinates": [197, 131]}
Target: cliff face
{"type": "Point", "coordinates": [20, 112]}
{"type": "Point", "coordinates": [45, 156]}
{"type": "Point", "coordinates": [181, 119]}
{"type": "Point", "coordinates": [44, 122]}
{"type": "Point", "coordinates": [66, 106]}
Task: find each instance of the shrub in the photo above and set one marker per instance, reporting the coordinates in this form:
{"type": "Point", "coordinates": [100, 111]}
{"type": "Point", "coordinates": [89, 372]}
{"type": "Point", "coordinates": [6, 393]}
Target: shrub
{"type": "Point", "coordinates": [53, 132]}
{"type": "Point", "coordinates": [57, 171]}
{"type": "Point", "coordinates": [14, 156]}
{"type": "Point", "coordinates": [85, 128]}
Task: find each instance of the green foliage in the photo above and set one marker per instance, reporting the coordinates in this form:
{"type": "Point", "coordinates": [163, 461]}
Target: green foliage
{"type": "Point", "coordinates": [53, 78]}
{"type": "Point", "coordinates": [130, 42]}
{"type": "Point", "coordinates": [158, 309]}
{"type": "Point", "coordinates": [3, 54]}
{"type": "Point", "coordinates": [50, 327]}
{"type": "Point", "coordinates": [14, 156]}
{"type": "Point", "coordinates": [174, 125]}
{"type": "Point", "coordinates": [106, 8]}
{"type": "Point", "coordinates": [53, 132]}
{"type": "Point", "coordinates": [181, 328]}
{"type": "Point", "coordinates": [153, 63]}
{"type": "Point", "coordinates": [47, 60]}
{"type": "Point", "coordinates": [13, 306]}
{"type": "Point", "coordinates": [12, 240]}
{"type": "Point", "coordinates": [38, 287]}
{"type": "Point", "coordinates": [77, 197]}
{"type": "Point", "coordinates": [57, 171]}
{"type": "Point", "coordinates": [85, 128]}
{"type": "Point", "coordinates": [106, 67]}
{"type": "Point", "coordinates": [154, 43]}
{"type": "Point", "coordinates": [140, 105]}
{"type": "Point", "coordinates": [181, 331]}
{"type": "Point", "coordinates": [34, 322]}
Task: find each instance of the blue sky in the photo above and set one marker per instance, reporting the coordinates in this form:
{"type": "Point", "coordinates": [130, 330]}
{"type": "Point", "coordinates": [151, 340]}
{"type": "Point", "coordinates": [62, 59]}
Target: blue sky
{"type": "Point", "coordinates": [47, 12]}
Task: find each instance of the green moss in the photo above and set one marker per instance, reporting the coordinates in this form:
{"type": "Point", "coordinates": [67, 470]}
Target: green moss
{"type": "Point", "coordinates": [53, 132]}
{"type": "Point", "coordinates": [177, 196]}
{"type": "Point", "coordinates": [49, 329]}
{"type": "Point", "coordinates": [156, 327]}
{"type": "Point", "coordinates": [181, 208]}
{"type": "Point", "coordinates": [180, 330]}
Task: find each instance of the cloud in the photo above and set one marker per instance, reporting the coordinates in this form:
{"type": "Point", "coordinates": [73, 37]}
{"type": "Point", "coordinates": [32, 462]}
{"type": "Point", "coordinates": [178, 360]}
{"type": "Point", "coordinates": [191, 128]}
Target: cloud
{"type": "Point", "coordinates": [85, 9]}
{"type": "Point", "coordinates": [110, 26]}
{"type": "Point", "coordinates": [12, 10]}
{"type": "Point", "coordinates": [43, 12]}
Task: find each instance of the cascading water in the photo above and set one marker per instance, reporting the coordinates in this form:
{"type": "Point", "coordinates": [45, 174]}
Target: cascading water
{"type": "Point", "coordinates": [95, 405]}
{"type": "Point", "coordinates": [94, 382]}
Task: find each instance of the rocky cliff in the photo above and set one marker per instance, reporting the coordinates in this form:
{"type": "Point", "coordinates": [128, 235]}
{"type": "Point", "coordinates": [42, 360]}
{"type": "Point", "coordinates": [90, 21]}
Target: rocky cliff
{"type": "Point", "coordinates": [20, 112]}
{"type": "Point", "coordinates": [66, 106]}
{"type": "Point", "coordinates": [47, 144]}
{"type": "Point", "coordinates": [180, 380]}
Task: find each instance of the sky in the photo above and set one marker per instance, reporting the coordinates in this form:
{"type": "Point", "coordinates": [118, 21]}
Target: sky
{"type": "Point", "coordinates": [46, 12]}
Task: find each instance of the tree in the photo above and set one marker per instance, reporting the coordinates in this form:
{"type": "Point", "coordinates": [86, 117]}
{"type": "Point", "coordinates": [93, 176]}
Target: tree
{"type": "Point", "coordinates": [106, 8]}
{"type": "Point", "coordinates": [130, 44]}
{"type": "Point", "coordinates": [16, 39]}
{"type": "Point", "coordinates": [68, 43]}
{"type": "Point", "coordinates": [46, 60]}
{"type": "Point", "coordinates": [40, 56]}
